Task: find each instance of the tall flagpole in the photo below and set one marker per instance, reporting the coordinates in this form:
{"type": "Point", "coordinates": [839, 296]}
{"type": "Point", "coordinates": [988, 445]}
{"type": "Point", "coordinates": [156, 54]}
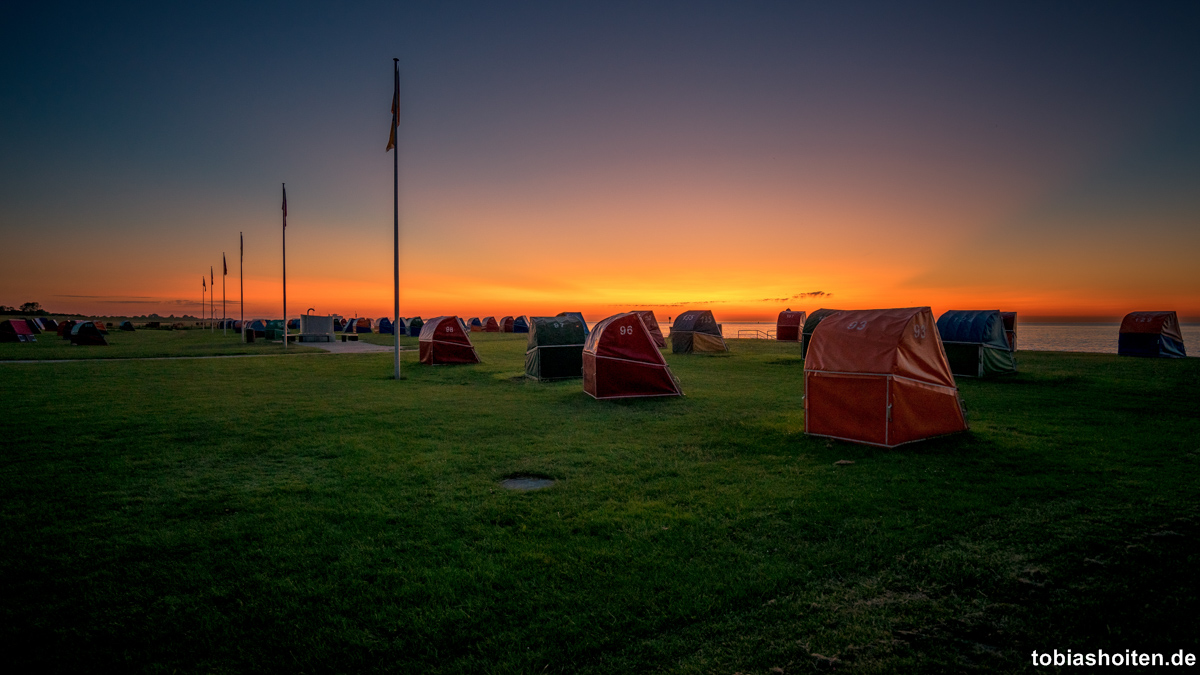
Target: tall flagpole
{"type": "Point", "coordinates": [203, 292]}
{"type": "Point", "coordinates": [395, 144]}
{"type": "Point", "coordinates": [212, 282]}
{"type": "Point", "coordinates": [284, 266]}
{"type": "Point", "coordinates": [242, 284]}
{"type": "Point", "coordinates": [224, 272]}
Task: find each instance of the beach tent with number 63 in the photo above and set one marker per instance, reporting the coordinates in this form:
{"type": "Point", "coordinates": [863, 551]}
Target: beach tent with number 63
{"type": "Point", "coordinates": [443, 340]}
{"type": "Point", "coordinates": [1154, 334]}
{"type": "Point", "coordinates": [880, 377]}
{"type": "Point", "coordinates": [788, 326]}
{"type": "Point", "coordinates": [696, 331]}
{"type": "Point", "coordinates": [620, 360]}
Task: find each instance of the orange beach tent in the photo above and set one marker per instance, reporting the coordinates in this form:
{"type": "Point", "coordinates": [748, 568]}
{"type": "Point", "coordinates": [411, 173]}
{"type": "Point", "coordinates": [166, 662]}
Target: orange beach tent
{"type": "Point", "coordinates": [880, 377]}
{"type": "Point", "coordinates": [788, 325]}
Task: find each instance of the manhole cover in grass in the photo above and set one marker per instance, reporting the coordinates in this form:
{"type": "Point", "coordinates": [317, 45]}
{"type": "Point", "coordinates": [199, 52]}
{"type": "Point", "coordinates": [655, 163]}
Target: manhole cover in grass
{"type": "Point", "coordinates": [526, 483]}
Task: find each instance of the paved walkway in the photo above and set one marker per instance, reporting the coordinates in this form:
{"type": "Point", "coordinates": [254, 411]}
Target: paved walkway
{"type": "Point", "coordinates": [352, 347]}
{"type": "Point", "coordinates": [331, 347]}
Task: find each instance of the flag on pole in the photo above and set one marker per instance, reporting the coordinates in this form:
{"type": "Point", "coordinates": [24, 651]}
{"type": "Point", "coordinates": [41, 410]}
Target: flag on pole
{"type": "Point", "coordinates": [285, 207]}
{"type": "Point", "coordinates": [225, 265]}
{"type": "Point", "coordinates": [203, 283]}
{"type": "Point", "coordinates": [395, 115]}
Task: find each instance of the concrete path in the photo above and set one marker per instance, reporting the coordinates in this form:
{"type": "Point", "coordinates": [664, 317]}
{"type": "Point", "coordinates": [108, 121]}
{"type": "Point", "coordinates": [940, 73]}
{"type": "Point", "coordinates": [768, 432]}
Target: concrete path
{"type": "Point", "coordinates": [352, 347]}
{"type": "Point", "coordinates": [331, 347]}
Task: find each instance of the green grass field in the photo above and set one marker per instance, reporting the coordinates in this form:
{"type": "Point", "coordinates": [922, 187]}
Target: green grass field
{"type": "Point", "coordinates": [144, 344]}
{"type": "Point", "coordinates": [310, 514]}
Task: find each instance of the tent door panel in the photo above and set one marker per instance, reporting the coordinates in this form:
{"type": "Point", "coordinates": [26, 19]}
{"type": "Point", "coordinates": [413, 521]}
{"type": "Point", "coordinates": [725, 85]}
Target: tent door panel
{"type": "Point", "coordinates": [922, 410]}
{"type": "Point", "coordinates": [847, 406]}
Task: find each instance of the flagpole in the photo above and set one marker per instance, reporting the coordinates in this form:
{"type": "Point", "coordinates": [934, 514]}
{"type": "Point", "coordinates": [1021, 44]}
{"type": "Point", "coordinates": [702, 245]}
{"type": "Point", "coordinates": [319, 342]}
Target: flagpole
{"type": "Point", "coordinates": [242, 284]}
{"type": "Point", "coordinates": [224, 314]}
{"type": "Point", "coordinates": [211, 298]}
{"type": "Point", "coordinates": [285, 337]}
{"type": "Point", "coordinates": [396, 215]}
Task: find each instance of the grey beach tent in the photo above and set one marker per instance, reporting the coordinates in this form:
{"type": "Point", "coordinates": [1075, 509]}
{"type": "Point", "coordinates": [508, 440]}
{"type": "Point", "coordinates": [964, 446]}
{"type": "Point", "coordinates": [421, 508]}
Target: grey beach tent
{"type": "Point", "coordinates": [554, 350]}
{"type": "Point", "coordinates": [412, 326]}
{"type": "Point", "coordinates": [577, 315]}
{"type": "Point", "coordinates": [696, 330]}
{"type": "Point", "coordinates": [975, 343]}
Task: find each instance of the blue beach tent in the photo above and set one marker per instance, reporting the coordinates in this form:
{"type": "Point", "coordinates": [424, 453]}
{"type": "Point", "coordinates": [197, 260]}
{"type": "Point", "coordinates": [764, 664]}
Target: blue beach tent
{"type": "Point", "coordinates": [520, 324]}
{"type": "Point", "coordinates": [975, 343]}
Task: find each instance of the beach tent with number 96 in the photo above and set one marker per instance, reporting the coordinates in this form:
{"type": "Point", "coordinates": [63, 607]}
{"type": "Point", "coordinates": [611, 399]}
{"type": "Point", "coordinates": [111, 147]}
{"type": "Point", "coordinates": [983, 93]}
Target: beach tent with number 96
{"type": "Point", "coordinates": [620, 360]}
{"type": "Point", "coordinates": [443, 340]}
{"type": "Point", "coordinates": [880, 377]}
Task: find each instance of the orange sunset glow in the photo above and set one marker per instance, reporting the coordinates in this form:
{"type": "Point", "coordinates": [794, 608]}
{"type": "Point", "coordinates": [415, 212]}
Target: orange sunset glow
{"type": "Point", "coordinates": [799, 161]}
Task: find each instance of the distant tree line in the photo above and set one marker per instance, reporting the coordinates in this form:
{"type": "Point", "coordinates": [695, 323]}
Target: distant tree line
{"type": "Point", "coordinates": [27, 308]}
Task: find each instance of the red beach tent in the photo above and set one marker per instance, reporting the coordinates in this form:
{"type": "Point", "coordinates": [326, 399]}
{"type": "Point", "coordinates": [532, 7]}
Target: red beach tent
{"type": "Point", "coordinates": [789, 325]}
{"type": "Point", "coordinates": [490, 325]}
{"type": "Point", "coordinates": [620, 360]}
{"type": "Point", "coordinates": [506, 324]}
{"type": "Point", "coordinates": [443, 340]}
{"type": "Point", "coordinates": [652, 326]}
{"type": "Point", "coordinates": [880, 377]}
{"type": "Point", "coordinates": [16, 330]}
{"type": "Point", "coordinates": [1154, 334]}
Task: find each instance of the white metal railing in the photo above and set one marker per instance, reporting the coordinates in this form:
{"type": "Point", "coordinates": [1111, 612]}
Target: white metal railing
{"type": "Point", "coordinates": [755, 334]}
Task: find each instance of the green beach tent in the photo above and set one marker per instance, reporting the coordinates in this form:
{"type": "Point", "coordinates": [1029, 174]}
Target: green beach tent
{"type": "Point", "coordinates": [810, 325]}
{"type": "Point", "coordinates": [554, 350]}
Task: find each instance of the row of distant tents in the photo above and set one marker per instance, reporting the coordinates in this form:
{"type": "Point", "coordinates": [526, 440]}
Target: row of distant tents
{"type": "Point", "coordinates": [79, 332]}
{"type": "Point", "coordinates": [881, 377]}
{"type": "Point", "coordinates": [977, 343]}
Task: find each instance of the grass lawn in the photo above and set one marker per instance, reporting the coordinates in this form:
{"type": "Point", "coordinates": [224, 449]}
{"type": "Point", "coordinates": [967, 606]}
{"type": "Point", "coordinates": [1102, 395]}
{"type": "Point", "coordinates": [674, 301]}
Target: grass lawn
{"type": "Point", "coordinates": [144, 344]}
{"type": "Point", "coordinates": [313, 515]}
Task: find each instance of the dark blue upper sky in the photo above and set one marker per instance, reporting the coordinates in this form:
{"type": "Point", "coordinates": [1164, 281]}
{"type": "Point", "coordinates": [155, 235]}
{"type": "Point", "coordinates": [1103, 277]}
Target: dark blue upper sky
{"type": "Point", "coordinates": [141, 127]}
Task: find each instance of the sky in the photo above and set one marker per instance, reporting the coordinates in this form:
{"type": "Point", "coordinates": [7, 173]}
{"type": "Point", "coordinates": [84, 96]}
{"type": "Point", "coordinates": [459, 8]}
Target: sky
{"type": "Point", "coordinates": [741, 157]}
